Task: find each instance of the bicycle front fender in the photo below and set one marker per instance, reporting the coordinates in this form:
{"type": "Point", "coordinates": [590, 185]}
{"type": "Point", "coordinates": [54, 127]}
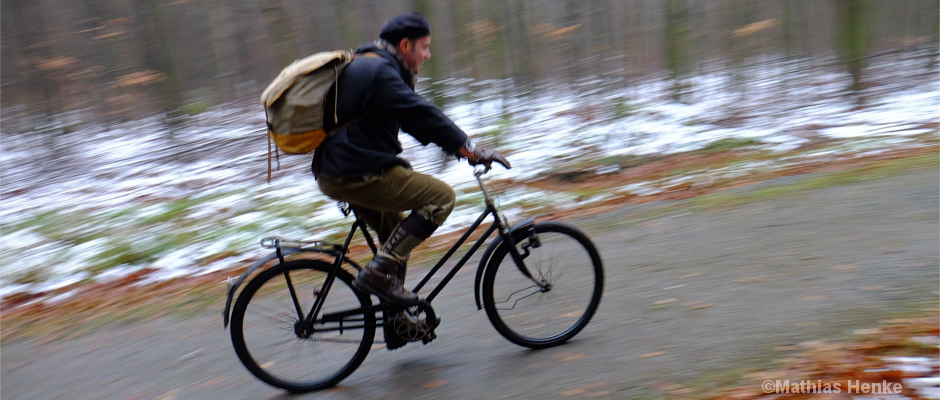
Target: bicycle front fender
{"type": "Point", "coordinates": [518, 232]}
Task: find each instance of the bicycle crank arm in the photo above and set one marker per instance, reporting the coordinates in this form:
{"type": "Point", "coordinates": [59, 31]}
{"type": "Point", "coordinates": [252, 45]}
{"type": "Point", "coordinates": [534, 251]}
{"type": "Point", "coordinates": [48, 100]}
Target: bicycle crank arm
{"type": "Point", "coordinates": [409, 325]}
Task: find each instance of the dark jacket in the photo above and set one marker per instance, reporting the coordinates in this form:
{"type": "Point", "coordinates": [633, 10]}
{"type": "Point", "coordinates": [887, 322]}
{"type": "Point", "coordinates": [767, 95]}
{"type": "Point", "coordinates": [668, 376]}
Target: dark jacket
{"type": "Point", "coordinates": [381, 88]}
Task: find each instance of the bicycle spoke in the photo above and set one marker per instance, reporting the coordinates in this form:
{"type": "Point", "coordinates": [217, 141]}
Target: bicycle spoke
{"type": "Point", "coordinates": [279, 350]}
{"type": "Point", "coordinates": [536, 291]}
{"type": "Point", "coordinates": [570, 279]}
{"type": "Point", "coordinates": [271, 315]}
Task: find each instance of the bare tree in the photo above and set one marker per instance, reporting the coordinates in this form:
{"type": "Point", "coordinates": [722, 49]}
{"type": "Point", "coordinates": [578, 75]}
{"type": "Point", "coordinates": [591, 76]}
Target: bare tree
{"type": "Point", "coordinates": [130, 58]}
{"type": "Point", "coordinates": [853, 39]}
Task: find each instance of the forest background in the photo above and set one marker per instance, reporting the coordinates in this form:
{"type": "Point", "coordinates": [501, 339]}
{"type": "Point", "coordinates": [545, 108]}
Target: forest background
{"type": "Point", "coordinates": [133, 143]}
{"type": "Point", "coordinates": [122, 60]}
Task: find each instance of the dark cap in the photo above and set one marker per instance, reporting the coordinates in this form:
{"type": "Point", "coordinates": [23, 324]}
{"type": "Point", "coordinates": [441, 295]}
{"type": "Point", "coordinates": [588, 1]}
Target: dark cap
{"type": "Point", "coordinates": [411, 26]}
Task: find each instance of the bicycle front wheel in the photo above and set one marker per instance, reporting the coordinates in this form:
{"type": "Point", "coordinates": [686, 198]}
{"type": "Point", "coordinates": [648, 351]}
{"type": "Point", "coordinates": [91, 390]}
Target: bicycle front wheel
{"type": "Point", "coordinates": [273, 344]}
{"type": "Point", "coordinates": [558, 297]}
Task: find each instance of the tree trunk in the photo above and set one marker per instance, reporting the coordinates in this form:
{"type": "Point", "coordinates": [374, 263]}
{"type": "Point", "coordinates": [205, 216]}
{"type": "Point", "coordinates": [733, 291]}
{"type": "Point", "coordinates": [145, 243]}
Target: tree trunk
{"type": "Point", "coordinates": [677, 37]}
{"type": "Point", "coordinates": [282, 38]}
{"type": "Point", "coordinates": [853, 40]}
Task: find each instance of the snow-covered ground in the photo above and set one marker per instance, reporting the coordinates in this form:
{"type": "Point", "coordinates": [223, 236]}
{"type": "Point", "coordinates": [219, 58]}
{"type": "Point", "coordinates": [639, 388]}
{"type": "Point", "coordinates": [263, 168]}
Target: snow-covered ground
{"type": "Point", "coordinates": [104, 201]}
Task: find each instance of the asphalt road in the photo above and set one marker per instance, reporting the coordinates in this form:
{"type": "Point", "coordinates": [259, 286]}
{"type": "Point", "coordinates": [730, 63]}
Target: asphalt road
{"type": "Point", "coordinates": [691, 297]}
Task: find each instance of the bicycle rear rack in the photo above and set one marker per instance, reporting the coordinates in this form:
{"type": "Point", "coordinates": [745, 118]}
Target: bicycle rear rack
{"type": "Point", "coordinates": [275, 242]}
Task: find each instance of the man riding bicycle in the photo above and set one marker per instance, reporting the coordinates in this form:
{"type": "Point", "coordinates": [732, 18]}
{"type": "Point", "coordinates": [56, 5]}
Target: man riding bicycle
{"type": "Point", "coordinates": [359, 165]}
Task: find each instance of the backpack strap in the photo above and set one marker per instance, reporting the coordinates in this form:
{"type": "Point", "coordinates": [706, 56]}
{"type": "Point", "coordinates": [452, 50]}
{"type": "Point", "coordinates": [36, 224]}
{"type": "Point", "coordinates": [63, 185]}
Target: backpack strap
{"type": "Point", "coordinates": [336, 96]}
{"type": "Point", "coordinates": [277, 155]}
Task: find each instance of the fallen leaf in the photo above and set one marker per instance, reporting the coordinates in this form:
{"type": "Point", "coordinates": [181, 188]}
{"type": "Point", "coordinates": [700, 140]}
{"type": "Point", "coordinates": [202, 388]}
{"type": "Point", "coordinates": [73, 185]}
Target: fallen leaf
{"type": "Point", "coordinates": [434, 384]}
{"type": "Point", "coordinates": [675, 390]}
{"type": "Point", "coordinates": [755, 27]}
{"type": "Point", "coordinates": [542, 364]}
{"type": "Point", "coordinates": [171, 395]}
{"type": "Point", "coordinates": [750, 280]}
{"type": "Point", "coordinates": [682, 186]}
{"type": "Point", "coordinates": [582, 390]}
{"type": "Point", "coordinates": [698, 305]}
{"type": "Point", "coordinates": [846, 268]}
{"type": "Point", "coordinates": [212, 382]}
{"type": "Point", "coordinates": [568, 356]}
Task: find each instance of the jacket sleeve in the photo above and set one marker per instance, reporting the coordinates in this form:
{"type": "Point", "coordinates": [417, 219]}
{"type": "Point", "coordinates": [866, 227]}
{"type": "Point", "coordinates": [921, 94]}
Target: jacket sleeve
{"type": "Point", "coordinates": [419, 118]}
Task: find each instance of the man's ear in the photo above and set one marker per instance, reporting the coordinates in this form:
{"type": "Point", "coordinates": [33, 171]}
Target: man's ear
{"type": "Point", "coordinates": [404, 45]}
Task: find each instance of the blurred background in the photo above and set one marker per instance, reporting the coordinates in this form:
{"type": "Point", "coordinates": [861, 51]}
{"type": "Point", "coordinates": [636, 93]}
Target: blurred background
{"type": "Point", "coordinates": [133, 166]}
{"type": "Point", "coordinates": [133, 141]}
{"type": "Point", "coordinates": [120, 60]}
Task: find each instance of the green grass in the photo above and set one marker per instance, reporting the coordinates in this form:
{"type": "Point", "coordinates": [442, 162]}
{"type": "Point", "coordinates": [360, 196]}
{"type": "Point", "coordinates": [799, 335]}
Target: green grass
{"type": "Point", "coordinates": [196, 108]}
{"type": "Point", "coordinates": [626, 161]}
{"type": "Point", "coordinates": [623, 109]}
{"type": "Point", "coordinates": [726, 144]}
{"type": "Point", "coordinates": [872, 171]}
{"type": "Point", "coordinates": [119, 252]}
{"type": "Point", "coordinates": [505, 124]}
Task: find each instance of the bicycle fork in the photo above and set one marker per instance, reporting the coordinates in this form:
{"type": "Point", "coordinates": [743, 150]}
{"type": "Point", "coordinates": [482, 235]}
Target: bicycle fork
{"type": "Point", "coordinates": [529, 241]}
{"type": "Point", "coordinates": [507, 235]}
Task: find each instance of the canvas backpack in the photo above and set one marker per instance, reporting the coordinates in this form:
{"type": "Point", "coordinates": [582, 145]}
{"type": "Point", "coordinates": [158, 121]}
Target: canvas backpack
{"type": "Point", "coordinates": [294, 102]}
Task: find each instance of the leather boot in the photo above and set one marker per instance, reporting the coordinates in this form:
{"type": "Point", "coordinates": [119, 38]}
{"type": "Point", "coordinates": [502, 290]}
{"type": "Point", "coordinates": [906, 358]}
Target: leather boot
{"type": "Point", "coordinates": [392, 340]}
{"type": "Point", "coordinates": [402, 272]}
{"type": "Point", "coordinates": [381, 278]}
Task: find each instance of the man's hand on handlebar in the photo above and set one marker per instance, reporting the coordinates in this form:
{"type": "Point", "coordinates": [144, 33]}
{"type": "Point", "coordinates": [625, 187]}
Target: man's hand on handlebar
{"type": "Point", "coordinates": [478, 155]}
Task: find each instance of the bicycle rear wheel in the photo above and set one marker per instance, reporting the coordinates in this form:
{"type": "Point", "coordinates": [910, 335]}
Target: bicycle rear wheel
{"type": "Point", "coordinates": [569, 269]}
{"type": "Point", "coordinates": [268, 338]}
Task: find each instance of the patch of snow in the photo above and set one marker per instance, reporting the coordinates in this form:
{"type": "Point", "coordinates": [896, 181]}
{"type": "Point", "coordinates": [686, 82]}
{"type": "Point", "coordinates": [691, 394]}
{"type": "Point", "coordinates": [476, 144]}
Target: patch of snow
{"type": "Point", "coordinates": [134, 169]}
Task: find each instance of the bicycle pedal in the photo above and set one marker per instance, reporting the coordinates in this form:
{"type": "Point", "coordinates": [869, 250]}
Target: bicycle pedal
{"type": "Point", "coordinates": [430, 335]}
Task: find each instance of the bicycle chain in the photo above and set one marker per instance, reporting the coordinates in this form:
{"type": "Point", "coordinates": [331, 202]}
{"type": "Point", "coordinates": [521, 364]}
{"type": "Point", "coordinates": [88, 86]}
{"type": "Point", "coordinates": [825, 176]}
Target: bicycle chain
{"type": "Point", "coordinates": [427, 332]}
{"type": "Point", "coordinates": [344, 341]}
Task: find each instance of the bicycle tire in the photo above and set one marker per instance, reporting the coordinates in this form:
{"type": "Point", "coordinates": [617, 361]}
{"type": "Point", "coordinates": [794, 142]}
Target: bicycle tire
{"type": "Point", "coordinates": [263, 328]}
{"type": "Point", "coordinates": [522, 311]}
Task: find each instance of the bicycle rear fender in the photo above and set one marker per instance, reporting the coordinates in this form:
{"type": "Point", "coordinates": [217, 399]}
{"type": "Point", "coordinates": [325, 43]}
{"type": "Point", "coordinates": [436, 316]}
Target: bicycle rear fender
{"type": "Point", "coordinates": [518, 232]}
{"type": "Point", "coordinates": [234, 284]}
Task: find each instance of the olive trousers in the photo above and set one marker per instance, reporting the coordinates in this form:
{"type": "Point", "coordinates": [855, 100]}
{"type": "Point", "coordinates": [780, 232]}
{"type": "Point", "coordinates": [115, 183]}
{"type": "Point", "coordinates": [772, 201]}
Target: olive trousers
{"type": "Point", "coordinates": [381, 200]}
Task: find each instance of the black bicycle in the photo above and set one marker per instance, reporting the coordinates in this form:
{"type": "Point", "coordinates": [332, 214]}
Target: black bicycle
{"type": "Point", "coordinates": [300, 325]}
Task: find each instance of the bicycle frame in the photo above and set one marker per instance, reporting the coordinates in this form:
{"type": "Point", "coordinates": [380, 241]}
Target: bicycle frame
{"type": "Point", "coordinates": [506, 234]}
{"type": "Point", "coordinates": [273, 318]}
{"type": "Point", "coordinates": [498, 224]}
